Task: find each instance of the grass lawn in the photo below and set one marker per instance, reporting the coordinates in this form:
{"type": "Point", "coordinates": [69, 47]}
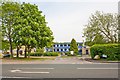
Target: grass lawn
{"type": "Point", "coordinates": [29, 59]}
{"type": "Point", "coordinates": [108, 60]}
{"type": "Point", "coordinates": [105, 60]}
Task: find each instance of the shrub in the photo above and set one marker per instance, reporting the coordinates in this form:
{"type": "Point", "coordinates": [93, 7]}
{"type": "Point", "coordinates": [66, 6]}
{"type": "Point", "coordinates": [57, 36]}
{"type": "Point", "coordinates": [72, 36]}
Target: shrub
{"type": "Point", "coordinates": [47, 54]}
{"type": "Point", "coordinates": [40, 50]}
{"type": "Point", "coordinates": [51, 54]}
{"type": "Point", "coordinates": [69, 54]}
{"type": "Point", "coordinates": [54, 54]}
{"type": "Point", "coordinates": [74, 47]}
{"type": "Point", "coordinates": [36, 54]}
{"type": "Point", "coordinates": [1, 55]}
{"type": "Point", "coordinates": [44, 54]}
{"type": "Point", "coordinates": [111, 50]}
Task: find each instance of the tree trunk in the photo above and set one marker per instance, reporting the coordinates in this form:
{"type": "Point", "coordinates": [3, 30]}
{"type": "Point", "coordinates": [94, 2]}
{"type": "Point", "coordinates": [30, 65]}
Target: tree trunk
{"type": "Point", "coordinates": [52, 49]}
{"type": "Point", "coordinates": [10, 41]}
{"type": "Point", "coordinates": [25, 52]}
{"type": "Point", "coordinates": [17, 52]}
{"type": "Point", "coordinates": [28, 52]}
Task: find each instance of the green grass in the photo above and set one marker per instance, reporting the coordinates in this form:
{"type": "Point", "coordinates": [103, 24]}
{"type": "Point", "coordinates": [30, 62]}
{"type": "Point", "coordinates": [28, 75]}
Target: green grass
{"type": "Point", "coordinates": [107, 60]}
{"type": "Point", "coordinates": [79, 55]}
{"type": "Point", "coordinates": [30, 59]}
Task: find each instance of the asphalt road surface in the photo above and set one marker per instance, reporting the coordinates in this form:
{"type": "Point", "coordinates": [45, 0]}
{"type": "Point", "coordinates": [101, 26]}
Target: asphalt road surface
{"type": "Point", "coordinates": [60, 71]}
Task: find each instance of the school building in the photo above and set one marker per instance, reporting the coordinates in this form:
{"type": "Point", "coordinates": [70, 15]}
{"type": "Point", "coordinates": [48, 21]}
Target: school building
{"type": "Point", "coordinates": [64, 47]}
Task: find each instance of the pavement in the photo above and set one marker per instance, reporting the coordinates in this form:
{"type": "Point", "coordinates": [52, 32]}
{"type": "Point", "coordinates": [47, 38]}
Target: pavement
{"type": "Point", "coordinates": [57, 60]}
{"type": "Point", "coordinates": [85, 59]}
{"type": "Point", "coordinates": [60, 71]}
{"type": "Point", "coordinates": [67, 68]}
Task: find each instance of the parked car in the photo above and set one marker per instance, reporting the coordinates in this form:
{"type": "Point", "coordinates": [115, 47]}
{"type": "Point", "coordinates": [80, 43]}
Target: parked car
{"type": "Point", "coordinates": [6, 54]}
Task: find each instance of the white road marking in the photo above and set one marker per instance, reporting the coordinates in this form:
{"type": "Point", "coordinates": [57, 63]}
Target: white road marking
{"type": "Point", "coordinates": [14, 77]}
{"type": "Point", "coordinates": [97, 68]}
{"type": "Point", "coordinates": [19, 71]}
{"type": "Point", "coordinates": [35, 68]}
{"type": "Point", "coordinates": [15, 70]}
{"type": "Point", "coordinates": [35, 72]}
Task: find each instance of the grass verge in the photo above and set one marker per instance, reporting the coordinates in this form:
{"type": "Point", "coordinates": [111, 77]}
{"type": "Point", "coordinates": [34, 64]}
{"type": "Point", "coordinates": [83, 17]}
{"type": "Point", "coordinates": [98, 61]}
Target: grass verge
{"type": "Point", "coordinates": [28, 59]}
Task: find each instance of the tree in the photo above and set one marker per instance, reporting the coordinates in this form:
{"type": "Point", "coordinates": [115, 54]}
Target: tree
{"type": "Point", "coordinates": [73, 46]}
{"type": "Point", "coordinates": [30, 28]}
{"type": "Point", "coordinates": [119, 28]}
{"type": "Point", "coordinates": [102, 28]}
{"type": "Point", "coordinates": [7, 19]}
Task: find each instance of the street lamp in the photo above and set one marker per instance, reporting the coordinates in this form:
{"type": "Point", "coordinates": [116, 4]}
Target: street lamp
{"type": "Point", "coordinates": [83, 41]}
{"type": "Point", "coordinates": [83, 44]}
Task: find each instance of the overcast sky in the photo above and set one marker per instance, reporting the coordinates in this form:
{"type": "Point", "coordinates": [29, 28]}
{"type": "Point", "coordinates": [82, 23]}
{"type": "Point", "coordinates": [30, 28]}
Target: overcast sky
{"type": "Point", "coordinates": [67, 18]}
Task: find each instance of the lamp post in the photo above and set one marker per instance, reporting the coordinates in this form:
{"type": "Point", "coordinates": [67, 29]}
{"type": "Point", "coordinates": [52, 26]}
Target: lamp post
{"type": "Point", "coordinates": [83, 44]}
{"type": "Point", "coordinates": [83, 41]}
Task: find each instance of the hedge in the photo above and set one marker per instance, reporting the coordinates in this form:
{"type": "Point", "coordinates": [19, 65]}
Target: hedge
{"type": "Point", "coordinates": [111, 50]}
{"type": "Point", "coordinates": [51, 54]}
{"type": "Point", "coordinates": [36, 54]}
{"type": "Point", "coordinates": [69, 54]}
{"type": "Point", "coordinates": [44, 54]}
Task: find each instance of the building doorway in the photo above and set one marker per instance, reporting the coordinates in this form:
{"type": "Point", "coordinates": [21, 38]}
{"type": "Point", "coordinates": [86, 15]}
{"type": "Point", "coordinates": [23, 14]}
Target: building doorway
{"type": "Point", "coordinates": [87, 52]}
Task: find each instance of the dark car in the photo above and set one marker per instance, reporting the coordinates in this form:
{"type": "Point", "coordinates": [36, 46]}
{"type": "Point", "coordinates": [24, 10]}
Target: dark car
{"type": "Point", "coordinates": [6, 55]}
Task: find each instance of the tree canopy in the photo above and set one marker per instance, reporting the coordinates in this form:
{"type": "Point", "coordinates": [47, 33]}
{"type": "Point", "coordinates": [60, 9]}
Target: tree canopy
{"type": "Point", "coordinates": [25, 25]}
{"type": "Point", "coordinates": [31, 28]}
{"type": "Point", "coordinates": [7, 18]}
{"type": "Point", "coordinates": [102, 28]}
{"type": "Point", "coordinates": [73, 46]}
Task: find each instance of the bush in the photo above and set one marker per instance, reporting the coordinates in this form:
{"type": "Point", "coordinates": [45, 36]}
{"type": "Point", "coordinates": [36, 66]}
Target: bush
{"type": "Point", "coordinates": [47, 54]}
{"type": "Point", "coordinates": [111, 50]}
{"type": "Point", "coordinates": [69, 54]}
{"type": "Point", "coordinates": [36, 54]}
{"type": "Point", "coordinates": [40, 50]}
{"type": "Point", "coordinates": [1, 55]}
{"type": "Point", "coordinates": [51, 54]}
{"type": "Point", "coordinates": [44, 54]}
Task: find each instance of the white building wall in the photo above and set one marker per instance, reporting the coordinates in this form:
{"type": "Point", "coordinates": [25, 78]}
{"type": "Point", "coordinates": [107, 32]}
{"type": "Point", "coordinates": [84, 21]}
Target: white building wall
{"type": "Point", "coordinates": [59, 49]}
{"type": "Point", "coordinates": [66, 44]}
{"type": "Point", "coordinates": [67, 49]}
{"type": "Point", "coordinates": [59, 45]}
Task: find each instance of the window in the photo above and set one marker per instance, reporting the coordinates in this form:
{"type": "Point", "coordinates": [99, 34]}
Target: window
{"type": "Point", "coordinates": [61, 45]}
{"type": "Point", "coordinates": [68, 44]}
{"type": "Point", "coordinates": [80, 50]}
{"type": "Point", "coordinates": [87, 52]}
{"type": "Point", "coordinates": [65, 49]}
{"type": "Point", "coordinates": [65, 45]}
{"type": "Point", "coordinates": [57, 49]}
{"type": "Point", "coordinates": [54, 49]}
{"type": "Point", "coordinates": [61, 49]}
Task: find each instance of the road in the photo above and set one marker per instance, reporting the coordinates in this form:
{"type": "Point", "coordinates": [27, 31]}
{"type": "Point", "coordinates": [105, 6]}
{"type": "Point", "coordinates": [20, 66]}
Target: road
{"type": "Point", "coordinates": [60, 70]}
